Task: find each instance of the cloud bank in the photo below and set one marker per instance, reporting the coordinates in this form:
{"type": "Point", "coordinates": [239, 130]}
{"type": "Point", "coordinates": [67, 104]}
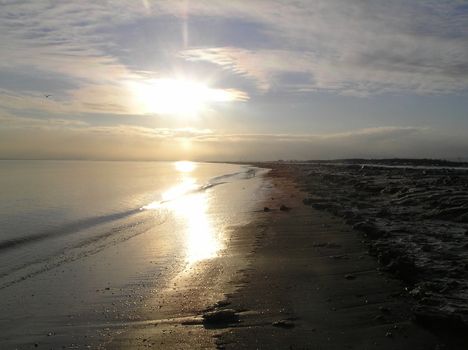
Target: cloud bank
{"type": "Point", "coordinates": [60, 139]}
{"type": "Point", "coordinates": [89, 54]}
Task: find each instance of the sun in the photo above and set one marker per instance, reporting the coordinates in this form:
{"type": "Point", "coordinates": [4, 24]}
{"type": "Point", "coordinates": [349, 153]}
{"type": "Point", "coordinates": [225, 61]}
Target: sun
{"type": "Point", "coordinates": [177, 96]}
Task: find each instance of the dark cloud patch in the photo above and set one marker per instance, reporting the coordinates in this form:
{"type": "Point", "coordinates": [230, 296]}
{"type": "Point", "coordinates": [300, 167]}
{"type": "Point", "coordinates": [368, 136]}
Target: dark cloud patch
{"type": "Point", "coordinates": [31, 79]}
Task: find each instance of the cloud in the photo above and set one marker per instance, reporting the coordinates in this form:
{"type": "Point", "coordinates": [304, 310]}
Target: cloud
{"type": "Point", "coordinates": [358, 48]}
{"type": "Point", "coordinates": [15, 122]}
{"type": "Point", "coordinates": [349, 47]}
{"type": "Point", "coordinates": [75, 41]}
{"type": "Point", "coordinates": [76, 140]}
{"type": "Point", "coordinates": [352, 47]}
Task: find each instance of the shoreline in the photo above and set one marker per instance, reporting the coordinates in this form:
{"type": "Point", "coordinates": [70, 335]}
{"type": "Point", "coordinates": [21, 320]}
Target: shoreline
{"type": "Point", "coordinates": [313, 285]}
{"type": "Point", "coordinates": [293, 276]}
{"type": "Point", "coordinates": [297, 278]}
{"type": "Point", "coordinates": [140, 273]}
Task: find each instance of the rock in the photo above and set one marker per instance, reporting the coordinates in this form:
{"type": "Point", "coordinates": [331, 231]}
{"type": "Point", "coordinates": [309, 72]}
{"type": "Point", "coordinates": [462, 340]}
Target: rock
{"type": "Point", "coordinates": [350, 277]}
{"type": "Point", "coordinates": [266, 209]}
{"type": "Point", "coordinates": [220, 317]}
{"type": "Point", "coordinates": [222, 303]}
{"type": "Point", "coordinates": [283, 324]}
{"type": "Point", "coordinates": [284, 208]}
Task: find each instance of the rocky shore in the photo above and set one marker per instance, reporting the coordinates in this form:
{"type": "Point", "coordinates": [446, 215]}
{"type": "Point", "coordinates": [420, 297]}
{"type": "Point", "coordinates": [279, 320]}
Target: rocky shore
{"type": "Point", "coordinates": [414, 217]}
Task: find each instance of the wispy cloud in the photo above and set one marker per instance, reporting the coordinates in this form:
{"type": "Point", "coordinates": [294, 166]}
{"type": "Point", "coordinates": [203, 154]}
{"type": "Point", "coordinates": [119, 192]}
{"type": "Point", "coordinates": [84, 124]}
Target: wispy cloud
{"type": "Point", "coordinates": [353, 47]}
{"type": "Point", "coordinates": [41, 139]}
{"type": "Point", "coordinates": [338, 47]}
{"type": "Point", "coordinates": [76, 40]}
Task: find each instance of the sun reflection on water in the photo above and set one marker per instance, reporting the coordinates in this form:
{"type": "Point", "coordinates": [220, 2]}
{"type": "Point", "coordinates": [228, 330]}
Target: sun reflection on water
{"type": "Point", "coordinates": [201, 240]}
{"type": "Point", "coordinates": [190, 206]}
{"type": "Point", "coordinates": [185, 166]}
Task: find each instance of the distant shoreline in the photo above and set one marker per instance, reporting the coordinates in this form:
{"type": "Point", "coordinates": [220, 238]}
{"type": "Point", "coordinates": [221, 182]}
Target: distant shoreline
{"type": "Point", "coordinates": [375, 161]}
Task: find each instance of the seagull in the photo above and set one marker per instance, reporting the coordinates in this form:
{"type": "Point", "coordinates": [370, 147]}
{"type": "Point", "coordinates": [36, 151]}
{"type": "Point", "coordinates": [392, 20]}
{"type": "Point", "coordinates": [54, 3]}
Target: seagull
{"type": "Point", "coordinates": [47, 96]}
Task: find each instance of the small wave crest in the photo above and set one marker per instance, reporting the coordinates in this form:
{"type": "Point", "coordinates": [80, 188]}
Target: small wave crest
{"type": "Point", "coordinates": [187, 188]}
{"type": "Point", "coordinates": [68, 228]}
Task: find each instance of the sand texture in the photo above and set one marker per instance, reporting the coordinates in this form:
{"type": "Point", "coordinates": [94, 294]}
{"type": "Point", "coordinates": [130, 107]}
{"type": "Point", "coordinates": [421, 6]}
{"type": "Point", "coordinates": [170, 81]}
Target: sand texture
{"type": "Point", "coordinates": [297, 277]}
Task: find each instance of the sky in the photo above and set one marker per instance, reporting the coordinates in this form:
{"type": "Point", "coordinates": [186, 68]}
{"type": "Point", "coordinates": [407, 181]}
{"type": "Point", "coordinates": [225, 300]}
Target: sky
{"type": "Point", "coordinates": [233, 80]}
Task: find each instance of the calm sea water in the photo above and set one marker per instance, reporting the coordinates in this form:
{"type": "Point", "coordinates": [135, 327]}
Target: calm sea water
{"type": "Point", "coordinates": [71, 228]}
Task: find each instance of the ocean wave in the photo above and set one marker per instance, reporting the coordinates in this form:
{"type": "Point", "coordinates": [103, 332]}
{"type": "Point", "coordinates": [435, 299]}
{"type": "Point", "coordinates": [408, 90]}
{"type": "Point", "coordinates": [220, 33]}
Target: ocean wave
{"type": "Point", "coordinates": [71, 227]}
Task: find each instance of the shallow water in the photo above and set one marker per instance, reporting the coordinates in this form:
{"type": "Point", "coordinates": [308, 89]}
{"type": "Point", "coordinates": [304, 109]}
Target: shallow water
{"type": "Point", "coordinates": [79, 240]}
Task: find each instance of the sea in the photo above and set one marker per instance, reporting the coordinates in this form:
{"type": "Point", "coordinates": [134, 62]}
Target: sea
{"type": "Point", "coordinates": [77, 236]}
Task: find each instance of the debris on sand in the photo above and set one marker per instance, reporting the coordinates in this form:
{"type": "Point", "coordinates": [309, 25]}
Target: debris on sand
{"type": "Point", "coordinates": [414, 214]}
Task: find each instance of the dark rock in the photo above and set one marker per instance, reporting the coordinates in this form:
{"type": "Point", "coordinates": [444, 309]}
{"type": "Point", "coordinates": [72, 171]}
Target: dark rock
{"type": "Point", "coordinates": [220, 317]}
{"type": "Point", "coordinates": [283, 324]}
{"type": "Point", "coordinates": [284, 208]}
{"type": "Point", "coordinates": [222, 303]}
{"type": "Point", "coordinates": [350, 277]}
{"type": "Point", "coordinates": [266, 209]}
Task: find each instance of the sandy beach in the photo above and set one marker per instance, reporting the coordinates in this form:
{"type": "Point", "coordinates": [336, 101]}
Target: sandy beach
{"type": "Point", "coordinates": [122, 246]}
{"type": "Point", "coordinates": [295, 278]}
{"type": "Point", "coordinates": [308, 259]}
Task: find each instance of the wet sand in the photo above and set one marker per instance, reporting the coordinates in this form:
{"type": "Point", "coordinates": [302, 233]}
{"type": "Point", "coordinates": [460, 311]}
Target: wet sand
{"type": "Point", "coordinates": [129, 274]}
{"type": "Point", "coordinates": [296, 278]}
{"type": "Point", "coordinates": [313, 285]}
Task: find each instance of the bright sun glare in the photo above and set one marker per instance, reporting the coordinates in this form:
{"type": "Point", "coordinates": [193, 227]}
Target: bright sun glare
{"type": "Point", "coordinates": [202, 238]}
{"type": "Point", "coordinates": [177, 96]}
{"type": "Point", "coordinates": [185, 166]}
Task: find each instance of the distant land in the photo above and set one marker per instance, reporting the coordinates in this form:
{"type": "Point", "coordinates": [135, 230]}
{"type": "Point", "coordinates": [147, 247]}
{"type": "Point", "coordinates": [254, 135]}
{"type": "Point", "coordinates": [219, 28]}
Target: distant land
{"type": "Point", "coordinates": [393, 162]}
